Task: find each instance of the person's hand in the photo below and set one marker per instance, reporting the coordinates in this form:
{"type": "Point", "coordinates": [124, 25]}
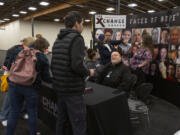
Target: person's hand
{"type": "Point", "coordinates": [116, 46]}
{"type": "Point", "coordinates": [4, 68]}
{"type": "Point", "coordinates": [163, 69]}
{"type": "Point", "coordinates": [126, 41]}
{"type": "Point", "coordinates": [91, 72]}
{"type": "Point", "coordinates": [46, 51]}
{"type": "Point", "coordinates": [126, 62]}
{"type": "Point", "coordinates": [98, 65]}
{"type": "Point", "coordinates": [139, 66]}
{"type": "Point", "coordinates": [136, 43]}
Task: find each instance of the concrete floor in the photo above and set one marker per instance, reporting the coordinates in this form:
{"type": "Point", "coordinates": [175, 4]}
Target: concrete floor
{"type": "Point", "coordinates": [164, 120]}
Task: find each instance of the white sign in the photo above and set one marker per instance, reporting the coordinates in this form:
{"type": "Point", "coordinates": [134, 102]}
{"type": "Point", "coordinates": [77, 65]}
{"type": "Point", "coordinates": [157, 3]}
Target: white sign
{"type": "Point", "coordinates": [110, 21]}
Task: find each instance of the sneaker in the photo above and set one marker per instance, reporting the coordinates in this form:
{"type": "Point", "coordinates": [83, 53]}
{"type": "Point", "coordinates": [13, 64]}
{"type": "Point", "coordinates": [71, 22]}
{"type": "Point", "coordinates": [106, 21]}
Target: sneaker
{"type": "Point", "coordinates": [38, 133]}
{"type": "Point", "coordinates": [4, 123]}
{"type": "Point", "coordinates": [177, 133]}
{"type": "Point", "coordinates": [26, 116]}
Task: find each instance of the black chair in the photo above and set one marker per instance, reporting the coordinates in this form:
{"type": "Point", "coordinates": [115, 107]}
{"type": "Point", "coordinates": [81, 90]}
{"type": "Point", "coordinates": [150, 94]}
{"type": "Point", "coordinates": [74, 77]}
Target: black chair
{"type": "Point", "coordinates": [143, 91]}
{"type": "Point", "coordinates": [139, 112]}
{"type": "Point", "coordinates": [132, 82]}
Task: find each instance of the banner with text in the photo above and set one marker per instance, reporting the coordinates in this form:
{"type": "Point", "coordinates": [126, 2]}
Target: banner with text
{"type": "Point", "coordinates": [110, 21]}
{"type": "Point", "coordinates": [159, 19]}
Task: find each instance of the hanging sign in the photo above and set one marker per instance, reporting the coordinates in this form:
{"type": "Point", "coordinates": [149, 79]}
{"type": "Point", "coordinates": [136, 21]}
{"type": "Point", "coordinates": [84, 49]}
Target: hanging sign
{"type": "Point", "coordinates": [110, 21]}
{"type": "Point", "coordinates": [149, 20]}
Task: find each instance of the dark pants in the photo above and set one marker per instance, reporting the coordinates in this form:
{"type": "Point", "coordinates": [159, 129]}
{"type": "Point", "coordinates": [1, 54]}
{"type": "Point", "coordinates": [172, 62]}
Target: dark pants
{"type": "Point", "coordinates": [74, 108]}
{"type": "Point", "coordinates": [18, 94]}
{"type": "Point", "coordinates": [141, 76]}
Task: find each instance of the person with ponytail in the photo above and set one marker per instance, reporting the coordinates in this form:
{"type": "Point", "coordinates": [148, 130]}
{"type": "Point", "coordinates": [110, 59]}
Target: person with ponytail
{"type": "Point", "coordinates": [92, 62]}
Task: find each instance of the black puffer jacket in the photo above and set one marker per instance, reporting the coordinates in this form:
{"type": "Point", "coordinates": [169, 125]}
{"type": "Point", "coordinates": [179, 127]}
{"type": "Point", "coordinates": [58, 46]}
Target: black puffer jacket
{"type": "Point", "coordinates": [67, 64]}
{"type": "Point", "coordinates": [9, 53]}
{"type": "Point", "coordinates": [117, 76]}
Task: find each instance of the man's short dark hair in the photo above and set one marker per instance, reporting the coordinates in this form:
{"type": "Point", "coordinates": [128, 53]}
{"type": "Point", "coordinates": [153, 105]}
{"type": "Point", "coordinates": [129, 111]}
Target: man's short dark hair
{"type": "Point", "coordinates": [126, 30]}
{"type": "Point", "coordinates": [71, 18]}
{"type": "Point", "coordinates": [164, 29]}
{"type": "Point", "coordinates": [163, 46]}
{"type": "Point", "coordinates": [119, 50]}
{"type": "Point", "coordinates": [156, 46]}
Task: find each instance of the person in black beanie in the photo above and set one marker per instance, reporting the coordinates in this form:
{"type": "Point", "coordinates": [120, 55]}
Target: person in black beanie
{"type": "Point", "coordinates": [115, 74]}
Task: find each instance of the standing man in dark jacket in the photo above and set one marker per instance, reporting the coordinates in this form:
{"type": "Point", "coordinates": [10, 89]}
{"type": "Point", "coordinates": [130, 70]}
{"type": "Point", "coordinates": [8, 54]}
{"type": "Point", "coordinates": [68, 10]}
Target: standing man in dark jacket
{"type": "Point", "coordinates": [69, 74]}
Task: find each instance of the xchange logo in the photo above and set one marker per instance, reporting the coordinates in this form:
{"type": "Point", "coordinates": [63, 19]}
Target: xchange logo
{"type": "Point", "coordinates": [99, 21]}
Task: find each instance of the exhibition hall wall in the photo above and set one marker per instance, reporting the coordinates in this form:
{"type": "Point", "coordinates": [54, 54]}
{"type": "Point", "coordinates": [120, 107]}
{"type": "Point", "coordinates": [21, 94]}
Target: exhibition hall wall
{"type": "Point", "coordinates": [12, 33]}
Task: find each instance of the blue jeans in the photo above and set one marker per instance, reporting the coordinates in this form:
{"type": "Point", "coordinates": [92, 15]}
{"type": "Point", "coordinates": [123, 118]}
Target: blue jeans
{"type": "Point", "coordinates": [18, 94]}
{"type": "Point", "coordinates": [5, 108]}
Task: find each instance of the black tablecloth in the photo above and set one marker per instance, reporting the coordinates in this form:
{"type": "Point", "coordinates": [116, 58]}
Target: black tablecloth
{"type": "Point", "coordinates": [107, 113]}
{"type": "Point", "coordinates": [167, 90]}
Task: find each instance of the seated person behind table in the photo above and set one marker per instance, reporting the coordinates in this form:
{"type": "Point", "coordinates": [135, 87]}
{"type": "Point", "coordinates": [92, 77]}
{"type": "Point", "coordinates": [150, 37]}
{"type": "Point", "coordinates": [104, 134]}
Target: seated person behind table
{"type": "Point", "coordinates": [115, 74]}
{"type": "Point", "coordinates": [92, 62]}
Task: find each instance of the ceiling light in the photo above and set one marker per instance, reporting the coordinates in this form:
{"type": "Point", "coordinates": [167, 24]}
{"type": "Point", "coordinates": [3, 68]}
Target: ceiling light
{"type": "Point", "coordinates": [56, 20]}
{"type": "Point", "coordinates": [1, 3]}
{"type": "Point", "coordinates": [15, 15]}
{"type": "Point", "coordinates": [32, 8]}
{"type": "Point", "coordinates": [92, 12]}
{"type": "Point", "coordinates": [81, 6]}
{"type": "Point", "coordinates": [160, 0]}
{"type": "Point", "coordinates": [110, 9]}
{"type": "Point", "coordinates": [6, 19]}
{"type": "Point", "coordinates": [23, 12]}
{"type": "Point", "coordinates": [132, 5]}
{"type": "Point", "coordinates": [43, 3]}
{"type": "Point", "coordinates": [151, 11]}
{"type": "Point", "coordinates": [87, 20]}
{"type": "Point", "coordinates": [1, 21]}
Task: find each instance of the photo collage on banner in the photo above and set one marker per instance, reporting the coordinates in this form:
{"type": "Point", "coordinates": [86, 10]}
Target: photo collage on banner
{"type": "Point", "coordinates": [115, 34]}
{"type": "Point", "coordinates": [126, 33]}
{"type": "Point", "coordinates": [166, 47]}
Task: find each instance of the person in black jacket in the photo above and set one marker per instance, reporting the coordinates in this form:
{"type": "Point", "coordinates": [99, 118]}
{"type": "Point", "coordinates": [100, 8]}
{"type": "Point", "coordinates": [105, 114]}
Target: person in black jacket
{"type": "Point", "coordinates": [115, 74]}
{"type": "Point", "coordinates": [69, 73]}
